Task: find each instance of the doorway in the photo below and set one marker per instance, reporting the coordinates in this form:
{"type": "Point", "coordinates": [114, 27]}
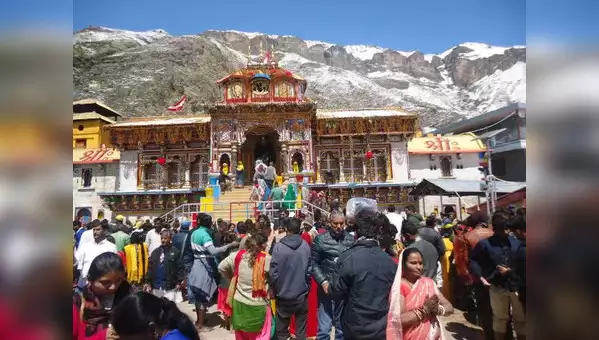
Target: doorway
{"type": "Point", "coordinates": [262, 142]}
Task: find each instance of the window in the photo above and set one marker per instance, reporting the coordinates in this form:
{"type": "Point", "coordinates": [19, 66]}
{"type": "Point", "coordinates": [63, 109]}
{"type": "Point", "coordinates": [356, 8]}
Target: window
{"type": "Point", "coordinates": [176, 175]}
{"type": "Point", "coordinates": [380, 166]}
{"type": "Point", "coordinates": [199, 172]}
{"type": "Point", "coordinates": [329, 167]}
{"type": "Point", "coordinates": [80, 143]}
{"type": "Point", "coordinates": [86, 177]}
{"type": "Point", "coordinates": [446, 168]}
{"type": "Point", "coordinates": [498, 166]}
{"type": "Point", "coordinates": [152, 175]}
{"type": "Point", "coordinates": [353, 166]}
{"type": "Point", "coordinates": [284, 89]}
{"type": "Point", "coordinates": [235, 91]}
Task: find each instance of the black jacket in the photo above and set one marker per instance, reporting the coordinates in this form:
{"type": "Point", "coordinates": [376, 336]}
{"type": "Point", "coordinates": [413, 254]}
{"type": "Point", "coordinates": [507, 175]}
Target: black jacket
{"type": "Point", "coordinates": [325, 251]}
{"type": "Point", "coordinates": [495, 251]}
{"type": "Point", "coordinates": [289, 277]}
{"type": "Point", "coordinates": [174, 271]}
{"type": "Point", "coordinates": [365, 277]}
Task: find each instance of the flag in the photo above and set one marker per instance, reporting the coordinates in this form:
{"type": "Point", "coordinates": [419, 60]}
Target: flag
{"type": "Point", "coordinates": [179, 105]}
{"type": "Point", "coordinates": [267, 57]}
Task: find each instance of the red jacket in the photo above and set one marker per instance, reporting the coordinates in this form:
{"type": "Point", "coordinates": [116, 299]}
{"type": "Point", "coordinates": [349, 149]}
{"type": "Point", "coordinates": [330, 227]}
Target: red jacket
{"type": "Point", "coordinates": [79, 328]}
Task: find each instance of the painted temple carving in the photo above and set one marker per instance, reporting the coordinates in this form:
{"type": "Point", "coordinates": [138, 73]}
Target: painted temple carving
{"type": "Point", "coordinates": [264, 115]}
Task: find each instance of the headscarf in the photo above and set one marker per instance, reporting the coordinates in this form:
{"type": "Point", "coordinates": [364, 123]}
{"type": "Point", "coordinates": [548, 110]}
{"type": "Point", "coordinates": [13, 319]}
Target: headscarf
{"type": "Point", "coordinates": [290, 196]}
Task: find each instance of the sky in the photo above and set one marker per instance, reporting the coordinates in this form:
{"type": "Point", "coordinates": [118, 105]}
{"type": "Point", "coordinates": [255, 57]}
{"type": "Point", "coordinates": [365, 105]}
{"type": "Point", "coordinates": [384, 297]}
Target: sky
{"type": "Point", "coordinates": [428, 26]}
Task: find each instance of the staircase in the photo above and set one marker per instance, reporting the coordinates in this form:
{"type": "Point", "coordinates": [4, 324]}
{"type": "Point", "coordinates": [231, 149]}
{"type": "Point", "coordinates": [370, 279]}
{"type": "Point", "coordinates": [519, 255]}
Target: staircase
{"type": "Point", "coordinates": [237, 211]}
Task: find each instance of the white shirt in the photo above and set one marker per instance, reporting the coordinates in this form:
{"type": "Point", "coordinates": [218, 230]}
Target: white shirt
{"type": "Point", "coordinates": [89, 251]}
{"type": "Point", "coordinates": [86, 237]}
{"type": "Point", "coordinates": [153, 240]}
{"type": "Point", "coordinates": [397, 220]}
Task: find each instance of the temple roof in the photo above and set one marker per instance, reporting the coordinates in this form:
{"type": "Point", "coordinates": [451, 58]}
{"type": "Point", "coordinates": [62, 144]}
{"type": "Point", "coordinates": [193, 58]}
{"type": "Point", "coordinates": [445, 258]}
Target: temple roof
{"type": "Point", "coordinates": [91, 116]}
{"type": "Point", "coordinates": [363, 113]}
{"type": "Point", "coordinates": [261, 70]}
{"type": "Point", "coordinates": [164, 121]}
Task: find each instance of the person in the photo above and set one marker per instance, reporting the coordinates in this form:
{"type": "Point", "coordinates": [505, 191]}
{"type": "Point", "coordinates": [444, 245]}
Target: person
{"type": "Point", "coordinates": [494, 261]}
{"type": "Point", "coordinates": [395, 219]}
{"type": "Point", "coordinates": [165, 269]}
{"type": "Point", "coordinates": [446, 233]}
{"type": "Point", "coordinates": [153, 239]}
{"type": "Point", "coordinates": [136, 259]}
{"type": "Point", "coordinates": [415, 302]}
{"type": "Point", "coordinates": [78, 230]}
{"type": "Point", "coordinates": [88, 235]}
{"type": "Point", "coordinates": [290, 197]}
{"type": "Point", "coordinates": [203, 274]}
{"type": "Point", "coordinates": [93, 303]}
{"type": "Point", "coordinates": [325, 251]}
{"type": "Point", "coordinates": [145, 316]}
{"type": "Point", "coordinates": [87, 252]}
{"type": "Point", "coordinates": [518, 226]}
{"type": "Point", "coordinates": [469, 284]}
{"type": "Point", "coordinates": [224, 176]}
{"type": "Point", "coordinates": [120, 225]}
{"type": "Point", "coordinates": [176, 226]}
{"type": "Point", "coordinates": [270, 174]}
{"type": "Point", "coordinates": [430, 234]}
{"type": "Point", "coordinates": [276, 195]}
{"type": "Point", "coordinates": [180, 237]}
{"type": "Point", "coordinates": [121, 238]}
{"type": "Point", "coordinates": [240, 174]}
{"type": "Point", "coordinates": [223, 286]}
{"type": "Point", "coordinates": [251, 315]}
{"type": "Point", "coordinates": [363, 286]}
{"type": "Point", "coordinates": [414, 216]}
{"type": "Point", "coordinates": [430, 256]}
{"type": "Point", "coordinates": [289, 280]}
{"type": "Point", "coordinates": [302, 195]}
{"type": "Point", "coordinates": [260, 170]}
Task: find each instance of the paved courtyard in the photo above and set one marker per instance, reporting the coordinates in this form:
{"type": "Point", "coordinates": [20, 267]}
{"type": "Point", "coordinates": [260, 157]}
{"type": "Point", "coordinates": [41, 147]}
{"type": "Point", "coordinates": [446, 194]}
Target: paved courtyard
{"type": "Point", "coordinates": [456, 326]}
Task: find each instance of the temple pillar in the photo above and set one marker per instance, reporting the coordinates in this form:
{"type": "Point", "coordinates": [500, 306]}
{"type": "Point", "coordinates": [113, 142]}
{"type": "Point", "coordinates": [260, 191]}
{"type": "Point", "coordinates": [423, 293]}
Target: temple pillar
{"type": "Point", "coordinates": [284, 158]}
{"type": "Point", "coordinates": [389, 173]}
{"type": "Point", "coordinates": [142, 177]}
{"type": "Point", "coordinates": [317, 167]}
{"type": "Point", "coordinates": [187, 175]}
{"type": "Point", "coordinates": [233, 165]}
{"type": "Point", "coordinates": [341, 173]}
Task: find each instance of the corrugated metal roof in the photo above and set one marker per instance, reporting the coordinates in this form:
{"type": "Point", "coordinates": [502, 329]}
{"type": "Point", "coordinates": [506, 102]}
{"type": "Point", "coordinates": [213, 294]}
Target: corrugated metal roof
{"type": "Point", "coordinates": [91, 116]}
{"type": "Point", "coordinates": [482, 120]}
{"type": "Point", "coordinates": [165, 121]}
{"type": "Point", "coordinates": [364, 113]}
{"type": "Point", "coordinates": [450, 187]}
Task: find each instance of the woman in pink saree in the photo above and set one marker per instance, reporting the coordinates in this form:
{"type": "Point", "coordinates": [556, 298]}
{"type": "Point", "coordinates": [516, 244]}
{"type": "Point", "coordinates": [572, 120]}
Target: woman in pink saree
{"type": "Point", "coordinates": [415, 302]}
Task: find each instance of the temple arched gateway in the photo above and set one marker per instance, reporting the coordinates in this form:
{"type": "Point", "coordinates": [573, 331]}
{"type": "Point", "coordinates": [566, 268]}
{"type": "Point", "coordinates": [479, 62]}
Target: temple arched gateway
{"type": "Point", "coordinates": [264, 114]}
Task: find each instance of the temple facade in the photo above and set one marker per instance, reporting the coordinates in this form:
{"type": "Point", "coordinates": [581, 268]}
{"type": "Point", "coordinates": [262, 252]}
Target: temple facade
{"type": "Point", "coordinates": [264, 115]}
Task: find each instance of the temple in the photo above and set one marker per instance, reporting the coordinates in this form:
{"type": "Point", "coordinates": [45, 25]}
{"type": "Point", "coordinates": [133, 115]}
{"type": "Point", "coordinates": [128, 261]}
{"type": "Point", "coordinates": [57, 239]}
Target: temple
{"type": "Point", "coordinates": [264, 115]}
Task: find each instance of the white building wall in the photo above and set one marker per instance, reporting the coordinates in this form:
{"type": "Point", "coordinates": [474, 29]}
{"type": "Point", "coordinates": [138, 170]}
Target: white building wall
{"type": "Point", "coordinates": [104, 179]}
{"type": "Point", "coordinates": [420, 169]}
{"type": "Point", "coordinates": [128, 171]}
{"type": "Point", "coordinates": [399, 162]}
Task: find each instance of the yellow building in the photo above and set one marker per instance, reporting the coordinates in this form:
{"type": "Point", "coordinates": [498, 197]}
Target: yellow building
{"type": "Point", "coordinates": [89, 118]}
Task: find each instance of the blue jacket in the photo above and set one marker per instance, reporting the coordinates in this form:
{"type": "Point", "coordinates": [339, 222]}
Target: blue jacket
{"type": "Point", "coordinates": [289, 275]}
{"type": "Point", "coordinates": [175, 334]}
{"type": "Point", "coordinates": [495, 251]}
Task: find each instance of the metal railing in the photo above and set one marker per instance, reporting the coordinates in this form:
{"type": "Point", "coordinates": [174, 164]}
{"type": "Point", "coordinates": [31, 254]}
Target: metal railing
{"type": "Point", "coordinates": [249, 209]}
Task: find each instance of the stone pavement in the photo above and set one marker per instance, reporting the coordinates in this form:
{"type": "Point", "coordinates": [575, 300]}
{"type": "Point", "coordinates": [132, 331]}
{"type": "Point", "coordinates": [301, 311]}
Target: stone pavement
{"type": "Point", "coordinates": [456, 326]}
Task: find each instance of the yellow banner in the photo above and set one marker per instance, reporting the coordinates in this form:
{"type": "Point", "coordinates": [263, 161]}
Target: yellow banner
{"type": "Point", "coordinates": [94, 156]}
{"type": "Point", "coordinates": [445, 144]}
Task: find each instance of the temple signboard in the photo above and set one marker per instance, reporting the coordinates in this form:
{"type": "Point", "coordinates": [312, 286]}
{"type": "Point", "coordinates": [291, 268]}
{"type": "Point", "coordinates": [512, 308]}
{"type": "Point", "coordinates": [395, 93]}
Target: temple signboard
{"type": "Point", "coordinates": [95, 156]}
{"type": "Point", "coordinates": [464, 143]}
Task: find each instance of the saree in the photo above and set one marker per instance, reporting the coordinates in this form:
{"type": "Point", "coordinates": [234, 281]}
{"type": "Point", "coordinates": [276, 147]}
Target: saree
{"type": "Point", "coordinates": [429, 329]}
{"type": "Point", "coordinates": [290, 198]}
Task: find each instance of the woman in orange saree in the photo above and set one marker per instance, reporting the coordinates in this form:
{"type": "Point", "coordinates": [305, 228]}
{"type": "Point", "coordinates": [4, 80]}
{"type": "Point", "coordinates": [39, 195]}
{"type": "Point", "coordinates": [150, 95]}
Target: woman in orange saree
{"type": "Point", "coordinates": [415, 302]}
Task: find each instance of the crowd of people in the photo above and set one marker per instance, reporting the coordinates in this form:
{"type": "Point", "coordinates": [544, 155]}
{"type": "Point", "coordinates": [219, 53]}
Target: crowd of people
{"type": "Point", "coordinates": [360, 275]}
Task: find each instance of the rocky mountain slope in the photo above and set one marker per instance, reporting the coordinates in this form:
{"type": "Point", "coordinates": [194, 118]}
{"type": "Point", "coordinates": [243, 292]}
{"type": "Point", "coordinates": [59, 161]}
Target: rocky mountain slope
{"type": "Point", "coordinates": [141, 73]}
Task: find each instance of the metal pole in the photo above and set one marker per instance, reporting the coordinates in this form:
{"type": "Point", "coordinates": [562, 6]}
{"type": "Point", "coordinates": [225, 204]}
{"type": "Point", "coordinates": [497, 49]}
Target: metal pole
{"type": "Point", "coordinates": [491, 186]}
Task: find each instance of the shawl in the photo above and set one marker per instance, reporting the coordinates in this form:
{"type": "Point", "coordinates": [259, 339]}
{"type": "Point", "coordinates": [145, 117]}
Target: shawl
{"type": "Point", "coordinates": [414, 299]}
{"type": "Point", "coordinates": [258, 277]}
{"type": "Point", "coordinates": [136, 256]}
{"type": "Point", "coordinates": [225, 169]}
{"type": "Point", "coordinates": [290, 198]}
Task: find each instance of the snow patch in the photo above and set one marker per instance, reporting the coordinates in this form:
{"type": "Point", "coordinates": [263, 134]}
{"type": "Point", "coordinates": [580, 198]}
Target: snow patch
{"type": "Point", "coordinates": [104, 34]}
{"type": "Point", "coordinates": [252, 35]}
{"type": "Point", "coordinates": [364, 52]}
{"type": "Point", "coordinates": [311, 43]}
{"type": "Point", "coordinates": [501, 88]}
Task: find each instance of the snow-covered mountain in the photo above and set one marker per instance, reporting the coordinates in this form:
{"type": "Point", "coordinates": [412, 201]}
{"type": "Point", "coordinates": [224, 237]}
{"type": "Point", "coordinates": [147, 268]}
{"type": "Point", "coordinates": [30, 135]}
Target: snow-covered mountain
{"type": "Point", "coordinates": [141, 73]}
